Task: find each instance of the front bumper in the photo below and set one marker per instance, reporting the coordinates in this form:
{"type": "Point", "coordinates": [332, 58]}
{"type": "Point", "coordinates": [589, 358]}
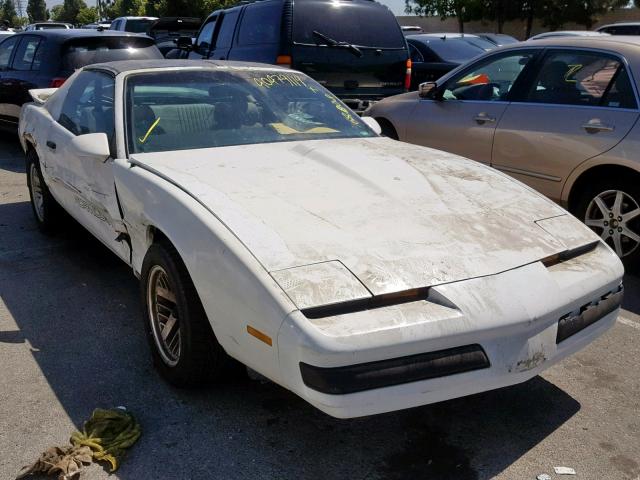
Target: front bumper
{"type": "Point", "coordinates": [513, 316]}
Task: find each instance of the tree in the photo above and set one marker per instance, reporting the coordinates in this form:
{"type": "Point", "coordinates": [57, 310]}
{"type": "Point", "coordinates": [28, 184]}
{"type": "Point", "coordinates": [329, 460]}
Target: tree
{"type": "Point", "coordinates": [8, 12]}
{"type": "Point", "coordinates": [442, 8]}
{"type": "Point", "coordinates": [56, 13]}
{"type": "Point", "coordinates": [585, 12]}
{"type": "Point", "coordinates": [498, 11]}
{"type": "Point", "coordinates": [36, 11]}
{"type": "Point", "coordinates": [87, 15]}
{"type": "Point", "coordinates": [70, 10]}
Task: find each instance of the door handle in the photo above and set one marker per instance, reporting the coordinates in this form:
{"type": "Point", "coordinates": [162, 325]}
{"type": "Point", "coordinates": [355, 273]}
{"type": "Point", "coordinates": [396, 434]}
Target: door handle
{"type": "Point", "coordinates": [483, 118]}
{"type": "Point", "coordinates": [51, 145]}
{"type": "Point", "coordinates": [597, 127]}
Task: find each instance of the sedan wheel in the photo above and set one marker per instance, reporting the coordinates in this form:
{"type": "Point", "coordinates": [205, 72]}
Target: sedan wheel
{"type": "Point", "coordinates": [163, 315]}
{"type": "Point", "coordinates": [36, 192]}
{"type": "Point", "coordinates": [46, 210]}
{"type": "Point", "coordinates": [612, 214]}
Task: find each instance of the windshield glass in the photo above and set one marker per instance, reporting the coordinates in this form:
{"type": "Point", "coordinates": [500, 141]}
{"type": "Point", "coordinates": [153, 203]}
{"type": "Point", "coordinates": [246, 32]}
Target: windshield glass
{"type": "Point", "coordinates": [190, 109]}
{"type": "Point", "coordinates": [453, 49]}
{"type": "Point", "coordinates": [138, 25]}
{"type": "Point", "coordinates": [366, 25]}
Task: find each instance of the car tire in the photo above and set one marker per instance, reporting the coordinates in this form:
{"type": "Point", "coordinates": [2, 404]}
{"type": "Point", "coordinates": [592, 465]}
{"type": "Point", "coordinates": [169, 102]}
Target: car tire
{"type": "Point", "coordinates": [188, 355]}
{"type": "Point", "coordinates": [46, 209]}
{"type": "Point", "coordinates": [611, 208]}
{"type": "Point", "coordinates": [388, 130]}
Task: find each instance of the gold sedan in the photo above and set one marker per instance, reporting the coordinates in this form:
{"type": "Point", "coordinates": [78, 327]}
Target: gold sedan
{"type": "Point", "coordinates": [561, 115]}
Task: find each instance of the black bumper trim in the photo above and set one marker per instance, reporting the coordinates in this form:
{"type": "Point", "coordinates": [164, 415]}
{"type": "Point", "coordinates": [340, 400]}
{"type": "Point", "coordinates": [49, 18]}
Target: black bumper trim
{"type": "Point", "coordinates": [396, 371]}
{"type": "Point", "coordinates": [589, 314]}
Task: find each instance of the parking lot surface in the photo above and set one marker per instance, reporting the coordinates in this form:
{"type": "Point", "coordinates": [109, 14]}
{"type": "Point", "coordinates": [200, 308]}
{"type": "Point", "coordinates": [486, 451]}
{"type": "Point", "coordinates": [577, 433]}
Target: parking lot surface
{"type": "Point", "coordinates": [71, 340]}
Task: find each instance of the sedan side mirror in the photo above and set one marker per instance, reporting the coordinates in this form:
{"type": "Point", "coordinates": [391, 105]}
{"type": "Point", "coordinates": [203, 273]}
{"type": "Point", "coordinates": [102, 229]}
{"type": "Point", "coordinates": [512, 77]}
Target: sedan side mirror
{"type": "Point", "coordinates": [184, 43]}
{"type": "Point", "coordinates": [427, 89]}
{"type": "Point", "coordinates": [93, 146]}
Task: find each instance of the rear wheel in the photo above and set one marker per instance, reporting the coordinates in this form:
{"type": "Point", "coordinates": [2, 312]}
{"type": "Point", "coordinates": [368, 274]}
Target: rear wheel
{"type": "Point", "coordinates": [46, 210]}
{"type": "Point", "coordinates": [184, 348]}
{"type": "Point", "coordinates": [611, 208]}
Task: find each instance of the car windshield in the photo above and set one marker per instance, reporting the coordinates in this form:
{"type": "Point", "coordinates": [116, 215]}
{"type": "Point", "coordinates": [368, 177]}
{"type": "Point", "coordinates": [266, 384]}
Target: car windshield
{"type": "Point", "coordinates": [138, 26]}
{"type": "Point", "coordinates": [190, 109]}
{"type": "Point", "coordinates": [454, 50]}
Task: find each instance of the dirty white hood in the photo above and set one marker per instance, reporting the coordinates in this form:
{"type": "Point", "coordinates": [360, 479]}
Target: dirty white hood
{"type": "Point", "coordinates": [398, 216]}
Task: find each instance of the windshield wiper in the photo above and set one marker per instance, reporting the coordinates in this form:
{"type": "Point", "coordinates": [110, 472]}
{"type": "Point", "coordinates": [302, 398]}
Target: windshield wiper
{"type": "Point", "coordinates": [334, 43]}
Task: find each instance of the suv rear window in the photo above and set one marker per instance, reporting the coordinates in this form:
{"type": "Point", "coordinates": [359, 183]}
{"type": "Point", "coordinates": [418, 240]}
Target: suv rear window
{"type": "Point", "coordinates": [138, 26]}
{"type": "Point", "coordinates": [85, 51]}
{"type": "Point", "coordinates": [362, 24]}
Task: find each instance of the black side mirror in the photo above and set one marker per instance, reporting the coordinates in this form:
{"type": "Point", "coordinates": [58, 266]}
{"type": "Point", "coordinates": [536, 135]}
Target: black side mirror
{"type": "Point", "coordinates": [184, 43]}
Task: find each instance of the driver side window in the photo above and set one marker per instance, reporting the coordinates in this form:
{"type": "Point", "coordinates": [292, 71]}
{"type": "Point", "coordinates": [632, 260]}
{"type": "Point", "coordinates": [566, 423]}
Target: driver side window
{"type": "Point", "coordinates": [203, 42]}
{"type": "Point", "coordinates": [490, 80]}
{"type": "Point", "coordinates": [88, 106]}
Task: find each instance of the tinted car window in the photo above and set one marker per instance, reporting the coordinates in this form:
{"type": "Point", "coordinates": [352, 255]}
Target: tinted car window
{"type": "Point", "coordinates": [6, 49]}
{"type": "Point", "coordinates": [453, 50]}
{"type": "Point", "coordinates": [85, 51]}
{"type": "Point", "coordinates": [88, 106]}
{"type": "Point", "coordinates": [260, 24]}
{"type": "Point", "coordinates": [490, 80]}
{"type": "Point", "coordinates": [26, 56]}
{"type": "Point", "coordinates": [137, 26]}
{"type": "Point", "coordinates": [573, 78]}
{"type": "Point", "coordinates": [622, 30]}
{"type": "Point", "coordinates": [203, 42]}
{"type": "Point", "coordinates": [415, 54]}
{"type": "Point", "coordinates": [365, 24]}
{"type": "Point", "coordinates": [620, 94]}
{"type": "Point", "coordinates": [225, 36]}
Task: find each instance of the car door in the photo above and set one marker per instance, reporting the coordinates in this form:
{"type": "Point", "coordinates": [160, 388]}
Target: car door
{"type": "Point", "coordinates": [24, 73]}
{"type": "Point", "coordinates": [7, 93]}
{"type": "Point", "coordinates": [578, 104]}
{"type": "Point", "coordinates": [202, 47]}
{"type": "Point", "coordinates": [462, 116]}
{"type": "Point", "coordinates": [224, 37]}
{"type": "Point", "coordinates": [85, 186]}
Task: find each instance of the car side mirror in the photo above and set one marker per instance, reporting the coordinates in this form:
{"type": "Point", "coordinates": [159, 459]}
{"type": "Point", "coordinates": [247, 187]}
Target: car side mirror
{"type": "Point", "coordinates": [184, 43]}
{"type": "Point", "coordinates": [93, 146]}
{"type": "Point", "coordinates": [373, 124]}
{"type": "Point", "coordinates": [428, 89]}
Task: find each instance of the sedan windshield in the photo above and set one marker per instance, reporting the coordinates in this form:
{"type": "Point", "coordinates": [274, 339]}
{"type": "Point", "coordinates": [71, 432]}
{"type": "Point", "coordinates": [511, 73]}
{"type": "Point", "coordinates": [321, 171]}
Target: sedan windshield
{"type": "Point", "coordinates": [189, 109]}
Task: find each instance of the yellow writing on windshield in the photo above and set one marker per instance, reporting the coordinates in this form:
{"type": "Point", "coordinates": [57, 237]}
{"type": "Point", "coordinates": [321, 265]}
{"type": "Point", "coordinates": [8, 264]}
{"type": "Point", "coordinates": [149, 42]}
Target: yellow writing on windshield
{"type": "Point", "coordinates": [344, 111]}
{"type": "Point", "coordinates": [146, 135]}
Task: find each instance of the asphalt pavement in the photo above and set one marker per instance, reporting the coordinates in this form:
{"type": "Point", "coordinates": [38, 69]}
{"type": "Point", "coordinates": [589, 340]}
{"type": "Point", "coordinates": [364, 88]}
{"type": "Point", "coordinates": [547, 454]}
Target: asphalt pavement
{"type": "Point", "coordinates": [71, 340]}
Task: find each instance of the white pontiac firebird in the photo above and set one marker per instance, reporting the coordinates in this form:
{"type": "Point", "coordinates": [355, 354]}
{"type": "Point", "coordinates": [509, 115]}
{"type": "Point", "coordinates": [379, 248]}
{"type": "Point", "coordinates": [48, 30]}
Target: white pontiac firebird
{"type": "Point", "coordinates": [270, 225]}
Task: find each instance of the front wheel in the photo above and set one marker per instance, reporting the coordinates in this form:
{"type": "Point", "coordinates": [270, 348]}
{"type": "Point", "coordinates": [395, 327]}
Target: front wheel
{"type": "Point", "coordinates": [611, 208]}
{"type": "Point", "coordinates": [184, 348]}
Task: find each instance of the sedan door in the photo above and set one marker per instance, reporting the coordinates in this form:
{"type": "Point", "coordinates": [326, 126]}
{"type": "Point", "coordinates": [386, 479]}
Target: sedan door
{"type": "Point", "coordinates": [578, 105]}
{"type": "Point", "coordinates": [7, 93]}
{"type": "Point", "coordinates": [463, 115]}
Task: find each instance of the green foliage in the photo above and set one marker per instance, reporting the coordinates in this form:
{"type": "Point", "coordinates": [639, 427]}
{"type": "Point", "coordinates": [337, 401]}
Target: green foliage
{"type": "Point", "coordinates": [36, 11]}
{"type": "Point", "coordinates": [87, 15]}
{"type": "Point", "coordinates": [55, 13]}
{"type": "Point", "coordinates": [8, 12]}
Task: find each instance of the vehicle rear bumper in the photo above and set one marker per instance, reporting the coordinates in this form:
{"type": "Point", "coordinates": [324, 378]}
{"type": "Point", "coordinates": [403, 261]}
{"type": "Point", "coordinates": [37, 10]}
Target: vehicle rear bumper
{"type": "Point", "coordinates": [516, 328]}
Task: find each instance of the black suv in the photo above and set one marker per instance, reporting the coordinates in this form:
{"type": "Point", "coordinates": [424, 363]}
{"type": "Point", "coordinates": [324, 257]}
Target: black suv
{"type": "Point", "coordinates": [45, 58]}
{"type": "Point", "coordinates": [355, 48]}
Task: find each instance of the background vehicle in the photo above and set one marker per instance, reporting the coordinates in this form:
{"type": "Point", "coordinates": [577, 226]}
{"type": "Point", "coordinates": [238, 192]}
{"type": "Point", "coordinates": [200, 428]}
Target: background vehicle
{"type": "Point", "coordinates": [97, 25]}
{"type": "Point", "coordinates": [623, 28]}
{"type": "Point", "coordinates": [433, 55]}
{"type": "Point", "coordinates": [561, 115]}
{"type": "Point", "coordinates": [355, 48]}
{"type": "Point", "coordinates": [567, 33]}
{"type": "Point", "coordinates": [411, 29]}
{"type": "Point", "coordinates": [46, 26]}
{"type": "Point", "coordinates": [166, 30]}
{"type": "Point", "coordinates": [499, 39]}
{"type": "Point", "coordinates": [132, 24]}
{"type": "Point", "coordinates": [45, 58]}
{"type": "Point", "coordinates": [399, 276]}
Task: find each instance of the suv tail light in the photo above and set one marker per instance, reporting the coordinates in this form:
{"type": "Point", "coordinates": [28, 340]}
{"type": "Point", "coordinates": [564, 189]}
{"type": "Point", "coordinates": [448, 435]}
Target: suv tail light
{"type": "Point", "coordinates": [284, 60]}
{"type": "Point", "coordinates": [57, 82]}
{"type": "Point", "coordinates": [407, 76]}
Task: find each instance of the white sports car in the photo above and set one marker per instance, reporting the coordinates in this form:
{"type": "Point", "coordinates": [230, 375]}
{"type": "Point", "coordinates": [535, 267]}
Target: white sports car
{"type": "Point", "coordinates": [271, 225]}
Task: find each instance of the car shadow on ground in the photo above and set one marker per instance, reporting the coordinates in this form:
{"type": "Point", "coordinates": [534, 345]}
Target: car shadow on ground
{"type": "Point", "coordinates": [11, 156]}
{"type": "Point", "coordinates": [77, 307]}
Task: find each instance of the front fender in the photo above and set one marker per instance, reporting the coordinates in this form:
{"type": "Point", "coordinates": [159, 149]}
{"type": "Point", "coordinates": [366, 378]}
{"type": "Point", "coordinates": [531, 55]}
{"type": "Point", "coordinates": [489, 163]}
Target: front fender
{"type": "Point", "coordinates": [235, 290]}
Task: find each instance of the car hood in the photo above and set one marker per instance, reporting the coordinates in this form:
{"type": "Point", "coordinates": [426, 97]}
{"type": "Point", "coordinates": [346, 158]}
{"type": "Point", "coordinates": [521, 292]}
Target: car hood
{"type": "Point", "coordinates": [397, 216]}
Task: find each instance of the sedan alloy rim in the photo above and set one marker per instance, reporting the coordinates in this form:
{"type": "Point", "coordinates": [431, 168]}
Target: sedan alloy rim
{"type": "Point", "coordinates": [37, 195]}
{"type": "Point", "coordinates": [612, 215]}
{"type": "Point", "coordinates": [163, 315]}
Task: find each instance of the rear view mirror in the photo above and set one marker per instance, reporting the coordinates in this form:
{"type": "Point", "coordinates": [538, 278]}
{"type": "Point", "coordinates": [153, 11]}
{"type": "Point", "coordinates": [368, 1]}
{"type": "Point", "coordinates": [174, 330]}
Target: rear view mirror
{"type": "Point", "coordinates": [373, 124]}
{"type": "Point", "coordinates": [427, 89]}
{"type": "Point", "coordinates": [93, 146]}
{"type": "Point", "coordinates": [184, 43]}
